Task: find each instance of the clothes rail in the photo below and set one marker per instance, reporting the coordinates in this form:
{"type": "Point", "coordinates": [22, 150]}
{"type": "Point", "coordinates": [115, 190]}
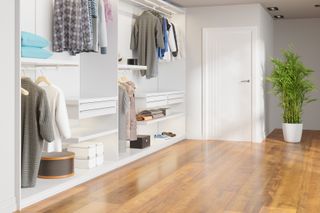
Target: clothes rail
{"type": "Point", "coordinates": [158, 6]}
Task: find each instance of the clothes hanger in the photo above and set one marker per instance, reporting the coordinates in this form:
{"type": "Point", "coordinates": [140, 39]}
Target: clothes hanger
{"type": "Point", "coordinates": [123, 79]}
{"type": "Point", "coordinates": [43, 79]}
{"type": "Point", "coordinates": [24, 92]}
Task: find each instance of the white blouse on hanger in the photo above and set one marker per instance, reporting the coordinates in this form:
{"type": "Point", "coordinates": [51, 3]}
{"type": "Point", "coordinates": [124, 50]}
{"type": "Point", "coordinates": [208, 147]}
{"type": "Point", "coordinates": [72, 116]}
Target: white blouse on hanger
{"type": "Point", "coordinates": [60, 120]}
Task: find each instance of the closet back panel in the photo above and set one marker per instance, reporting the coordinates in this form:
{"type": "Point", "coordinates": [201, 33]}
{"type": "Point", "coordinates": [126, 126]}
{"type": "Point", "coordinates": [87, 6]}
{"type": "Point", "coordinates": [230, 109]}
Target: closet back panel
{"type": "Point", "coordinates": [99, 72]}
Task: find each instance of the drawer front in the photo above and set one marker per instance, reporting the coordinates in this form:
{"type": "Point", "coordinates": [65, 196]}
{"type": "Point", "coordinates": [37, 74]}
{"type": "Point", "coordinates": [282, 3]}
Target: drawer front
{"type": "Point", "coordinates": [156, 104]}
{"type": "Point", "coordinates": [176, 96]}
{"type": "Point", "coordinates": [176, 101]}
{"type": "Point", "coordinates": [97, 105]}
{"type": "Point", "coordinates": [97, 112]}
{"type": "Point", "coordinates": [156, 98]}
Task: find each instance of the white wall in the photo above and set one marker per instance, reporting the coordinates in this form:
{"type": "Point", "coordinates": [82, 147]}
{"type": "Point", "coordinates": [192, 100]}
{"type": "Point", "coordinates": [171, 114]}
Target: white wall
{"type": "Point", "coordinates": [7, 112]}
{"type": "Point", "coordinates": [304, 36]}
{"type": "Point", "coordinates": [266, 43]}
{"type": "Point", "coordinates": [219, 17]}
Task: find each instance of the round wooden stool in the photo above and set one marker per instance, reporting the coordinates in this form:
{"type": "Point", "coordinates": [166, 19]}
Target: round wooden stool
{"type": "Point", "coordinates": [56, 165]}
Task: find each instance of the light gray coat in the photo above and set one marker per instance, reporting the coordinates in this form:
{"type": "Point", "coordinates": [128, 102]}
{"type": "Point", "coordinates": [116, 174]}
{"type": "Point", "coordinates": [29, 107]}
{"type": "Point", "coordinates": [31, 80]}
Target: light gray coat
{"type": "Point", "coordinates": [146, 37]}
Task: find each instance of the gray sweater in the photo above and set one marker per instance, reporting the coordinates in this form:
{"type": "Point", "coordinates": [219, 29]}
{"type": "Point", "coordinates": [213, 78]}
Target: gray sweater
{"type": "Point", "coordinates": [36, 126]}
{"type": "Point", "coordinates": [146, 37]}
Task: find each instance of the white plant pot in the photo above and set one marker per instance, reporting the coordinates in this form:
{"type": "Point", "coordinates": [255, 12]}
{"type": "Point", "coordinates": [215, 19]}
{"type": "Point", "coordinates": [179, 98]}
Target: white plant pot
{"type": "Point", "coordinates": [292, 132]}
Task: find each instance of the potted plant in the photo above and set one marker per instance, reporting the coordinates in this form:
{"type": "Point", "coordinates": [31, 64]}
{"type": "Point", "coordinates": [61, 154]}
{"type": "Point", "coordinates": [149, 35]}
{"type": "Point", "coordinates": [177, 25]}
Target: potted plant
{"type": "Point", "coordinates": [290, 83]}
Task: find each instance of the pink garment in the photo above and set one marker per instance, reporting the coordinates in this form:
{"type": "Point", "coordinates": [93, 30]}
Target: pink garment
{"type": "Point", "coordinates": [108, 11]}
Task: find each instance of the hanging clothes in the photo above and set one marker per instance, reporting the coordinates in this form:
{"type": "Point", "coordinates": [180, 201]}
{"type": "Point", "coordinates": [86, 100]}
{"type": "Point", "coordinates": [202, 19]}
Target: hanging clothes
{"type": "Point", "coordinates": [71, 26]}
{"type": "Point", "coordinates": [175, 53]}
{"type": "Point", "coordinates": [162, 51]}
{"type": "Point", "coordinates": [130, 88]}
{"type": "Point", "coordinates": [124, 116]}
{"type": "Point", "coordinates": [127, 106]}
{"type": "Point", "coordinates": [36, 126]}
{"type": "Point", "coordinates": [180, 45]}
{"type": "Point", "coordinates": [79, 26]}
{"type": "Point", "coordinates": [172, 40]}
{"type": "Point", "coordinates": [93, 20]}
{"type": "Point", "coordinates": [60, 120]}
{"type": "Point", "coordinates": [146, 37]}
{"type": "Point", "coordinates": [103, 35]}
{"type": "Point", "coordinates": [108, 11]}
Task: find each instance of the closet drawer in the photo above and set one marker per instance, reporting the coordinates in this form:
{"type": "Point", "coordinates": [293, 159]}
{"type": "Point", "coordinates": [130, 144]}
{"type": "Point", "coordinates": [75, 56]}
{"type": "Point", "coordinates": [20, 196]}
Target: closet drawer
{"type": "Point", "coordinates": [97, 105]}
{"type": "Point", "coordinates": [176, 96]}
{"type": "Point", "coordinates": [155, 104]}
{"type": "Point", "coordinates": [175, 101]}
{"type": "Point", "coordinates": [156, 98]}
{"type": "Point", "coordinates": [97, 112]}
{"type": "Point", "coordinates": [88, 108]}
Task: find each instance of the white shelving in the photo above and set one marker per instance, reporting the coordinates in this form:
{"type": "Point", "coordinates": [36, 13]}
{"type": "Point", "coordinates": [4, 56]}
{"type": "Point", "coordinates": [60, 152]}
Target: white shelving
{"type": "Point", "coordinates": [35, 62]}
{"type": "Point", "coordinates": [94, 107]}
{"type": "Point", "coordinates": [131, 67]}
{"type": "Point", "coordinates": [47, 188]}
{"type": "Point", "coordinates": [82, 135]}
{"type": "Point", "coordinates": [168, 117]}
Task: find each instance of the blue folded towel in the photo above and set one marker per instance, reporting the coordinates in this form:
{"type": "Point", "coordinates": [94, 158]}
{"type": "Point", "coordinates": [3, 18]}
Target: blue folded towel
{"type": "Point", "coordinates": [34, 52]}
{"type": "Point", "coordinates": [33, 40]}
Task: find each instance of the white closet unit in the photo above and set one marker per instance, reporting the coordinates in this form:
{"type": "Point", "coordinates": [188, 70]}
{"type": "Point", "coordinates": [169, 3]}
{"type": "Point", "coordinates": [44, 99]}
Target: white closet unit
{"type": "Point", "coordinates": [165, 91]}
{"type": "Point", "coordinates": [90, 84]}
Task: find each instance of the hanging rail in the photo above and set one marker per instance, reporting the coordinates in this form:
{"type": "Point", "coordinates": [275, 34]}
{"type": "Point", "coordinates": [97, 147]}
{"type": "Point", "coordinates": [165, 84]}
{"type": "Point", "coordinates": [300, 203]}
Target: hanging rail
{"type": "Point", "coordinates": [158, 6]}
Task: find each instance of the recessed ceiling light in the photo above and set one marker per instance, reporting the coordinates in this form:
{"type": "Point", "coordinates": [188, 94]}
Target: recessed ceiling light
{"type": "Point", "coordinates": [317, 5]}
{"type": "Point", "coordinates": [278, 16]}
{"type": "Point", "coordinates": [273, 8]}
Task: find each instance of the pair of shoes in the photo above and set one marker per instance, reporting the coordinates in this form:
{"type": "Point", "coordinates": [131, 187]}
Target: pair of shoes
{"type": "Point", "coordinates": [162, 137]}
{"type": "Point", "coordinates": [170, 134]}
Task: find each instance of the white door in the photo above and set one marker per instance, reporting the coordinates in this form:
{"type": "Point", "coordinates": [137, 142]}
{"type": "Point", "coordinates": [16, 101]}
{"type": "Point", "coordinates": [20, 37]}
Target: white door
{"type": "Point", "coordinates": [227, 68]}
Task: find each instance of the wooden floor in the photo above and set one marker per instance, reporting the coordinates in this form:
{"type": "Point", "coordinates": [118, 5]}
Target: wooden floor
{"type": "Point", "coordinates": [200, 177]}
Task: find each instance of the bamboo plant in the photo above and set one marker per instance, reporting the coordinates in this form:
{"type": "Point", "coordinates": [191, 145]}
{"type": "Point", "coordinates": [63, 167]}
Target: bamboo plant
{"type": "Point", "coordinates": [291, 84]}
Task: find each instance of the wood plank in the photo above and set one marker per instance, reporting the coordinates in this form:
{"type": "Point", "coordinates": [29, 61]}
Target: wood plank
{"type": "Point", "coordinates": [206, 176]}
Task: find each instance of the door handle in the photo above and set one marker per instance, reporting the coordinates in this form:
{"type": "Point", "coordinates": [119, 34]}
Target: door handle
{"type": "Point", "coordinates": [245, 81]}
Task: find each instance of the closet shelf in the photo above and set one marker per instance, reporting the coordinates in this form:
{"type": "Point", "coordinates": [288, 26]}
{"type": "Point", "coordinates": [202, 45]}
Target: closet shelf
{"type": "Point", "coordinates": [86, 136]}
{"type": "Point", "coordinates": [35, 62]}
{"type": "Point", "coordinates": [87, 108]}
{"type": "Point", "coordinates": [168, 117]}
{"type": "Point", "coordinates": [131, 67]}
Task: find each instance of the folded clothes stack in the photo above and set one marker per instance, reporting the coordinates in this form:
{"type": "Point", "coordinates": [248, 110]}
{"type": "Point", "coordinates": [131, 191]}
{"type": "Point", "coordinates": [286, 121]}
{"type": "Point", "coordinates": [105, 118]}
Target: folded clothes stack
{"type": "Point", "coordinates": [147, 115]}
{"type": "Point", "coordinates": [32, 46]}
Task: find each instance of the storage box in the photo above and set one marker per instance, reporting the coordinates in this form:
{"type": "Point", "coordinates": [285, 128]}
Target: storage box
{"type": "Point", "coordinates": [83, 150]}
{"type": "Point", "coordinates": [55, 165]}
{"type": "Point", "coordinates": [99, 148]}
{"type": "Point", "coordinates": [85, 164]}
{"type": "Point", "coordinates": [142, 142]}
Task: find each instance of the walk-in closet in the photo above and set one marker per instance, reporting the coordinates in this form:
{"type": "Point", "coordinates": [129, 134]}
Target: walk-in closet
{"type": "Point", "coordinates": [101, 100]}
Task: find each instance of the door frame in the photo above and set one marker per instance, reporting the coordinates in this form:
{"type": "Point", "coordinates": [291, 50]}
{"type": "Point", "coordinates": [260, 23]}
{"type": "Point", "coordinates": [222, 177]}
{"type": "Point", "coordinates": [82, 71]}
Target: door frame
{"type": "Point", "coordinates": [257, 85]}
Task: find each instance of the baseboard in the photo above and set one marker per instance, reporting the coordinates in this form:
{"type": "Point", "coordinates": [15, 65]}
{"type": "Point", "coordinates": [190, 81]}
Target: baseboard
{"type": "Point", "coordinates": [8, 205]}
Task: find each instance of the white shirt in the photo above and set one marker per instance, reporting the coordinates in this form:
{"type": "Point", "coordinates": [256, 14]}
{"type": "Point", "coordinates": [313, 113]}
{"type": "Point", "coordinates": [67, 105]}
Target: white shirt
{"type": "Point", "coordinates": [60, 120]}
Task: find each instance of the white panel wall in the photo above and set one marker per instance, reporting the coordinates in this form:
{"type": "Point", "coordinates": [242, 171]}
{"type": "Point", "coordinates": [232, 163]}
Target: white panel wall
{"type": "Point", "coordinates": [217, 17]}
{"type": "Point", "coordinates": [304, 36]}
{"type": "Point", "coordinates": [7, 112]}
{"type": "Point", "coordinates": [265, 42]}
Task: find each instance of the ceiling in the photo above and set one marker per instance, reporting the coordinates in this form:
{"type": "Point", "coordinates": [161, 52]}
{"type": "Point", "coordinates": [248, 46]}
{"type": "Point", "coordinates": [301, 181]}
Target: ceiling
{"type": "Point", "coordinates": [288, 8]}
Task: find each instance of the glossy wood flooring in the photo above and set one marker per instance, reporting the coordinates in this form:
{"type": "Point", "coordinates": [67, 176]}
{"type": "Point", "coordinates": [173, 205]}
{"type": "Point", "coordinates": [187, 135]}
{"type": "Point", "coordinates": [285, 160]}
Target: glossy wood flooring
{"type": "Point", "coordinates": [212, 177]}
